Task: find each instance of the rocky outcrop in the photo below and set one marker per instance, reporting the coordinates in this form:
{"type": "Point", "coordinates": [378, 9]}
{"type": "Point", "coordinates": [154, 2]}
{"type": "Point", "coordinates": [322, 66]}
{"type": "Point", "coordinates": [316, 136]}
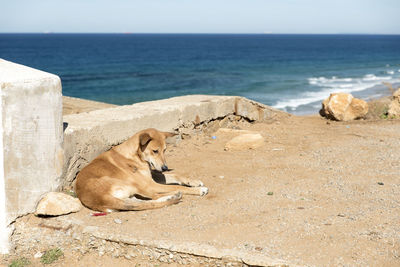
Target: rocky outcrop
{"type": "Point", "coordinates": [394, 107]}
{"type": "Point", "coordinates": [56, 203]}
{"type": "Point", "coordinates": [343, 107]}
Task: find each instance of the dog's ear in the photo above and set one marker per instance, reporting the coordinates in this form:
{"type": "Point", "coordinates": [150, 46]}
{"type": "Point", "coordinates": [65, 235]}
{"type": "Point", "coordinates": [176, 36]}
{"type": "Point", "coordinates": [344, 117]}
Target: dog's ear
{"type": "Point", "coordinates": [144, 140]}
{"type": "Point", "coordinates": [168, 134]}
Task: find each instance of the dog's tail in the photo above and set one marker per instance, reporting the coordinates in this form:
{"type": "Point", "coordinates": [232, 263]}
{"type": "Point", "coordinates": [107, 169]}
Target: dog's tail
{"type": "Point", "coordinates": [137, 204]}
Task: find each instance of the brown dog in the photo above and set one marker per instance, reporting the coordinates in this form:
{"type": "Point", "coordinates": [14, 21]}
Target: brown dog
{"type": "Point", "coordinates": [111, 179]}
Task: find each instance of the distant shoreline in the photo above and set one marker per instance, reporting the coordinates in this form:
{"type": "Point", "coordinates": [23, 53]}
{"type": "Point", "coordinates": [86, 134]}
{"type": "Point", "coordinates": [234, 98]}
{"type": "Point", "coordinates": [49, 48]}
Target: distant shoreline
{"type": "Point", "coordinates": [204, 33]}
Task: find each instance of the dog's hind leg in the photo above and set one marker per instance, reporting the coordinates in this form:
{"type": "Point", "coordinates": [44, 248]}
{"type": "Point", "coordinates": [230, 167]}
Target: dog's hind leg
{"type": "Point", "coordinates": [171, 178]}
{"type": "Point", "coordinates": [156, 190]}
{"type": "Point", "coordinates": [137, 204]}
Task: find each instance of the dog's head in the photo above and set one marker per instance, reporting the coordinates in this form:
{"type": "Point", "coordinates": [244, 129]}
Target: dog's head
{"type": "Point", "coordinates": [152, 148]}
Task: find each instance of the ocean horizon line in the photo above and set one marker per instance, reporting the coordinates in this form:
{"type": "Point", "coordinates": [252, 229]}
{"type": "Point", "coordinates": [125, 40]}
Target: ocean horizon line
{"type": "Point", "coordinates": [201, 33]}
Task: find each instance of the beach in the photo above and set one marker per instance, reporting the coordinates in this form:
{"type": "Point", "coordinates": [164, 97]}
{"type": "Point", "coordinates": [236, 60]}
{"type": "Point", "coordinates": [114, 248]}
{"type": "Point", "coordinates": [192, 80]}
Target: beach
{"type": "Point", "coordinates": [73, 105]}
{"type": "Point", "coordinates": [317, 193]}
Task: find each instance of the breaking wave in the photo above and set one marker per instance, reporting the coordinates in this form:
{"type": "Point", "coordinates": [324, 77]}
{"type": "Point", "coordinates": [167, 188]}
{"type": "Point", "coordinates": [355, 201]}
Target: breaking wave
{"type": "Point", "coordinates": [334, 85]}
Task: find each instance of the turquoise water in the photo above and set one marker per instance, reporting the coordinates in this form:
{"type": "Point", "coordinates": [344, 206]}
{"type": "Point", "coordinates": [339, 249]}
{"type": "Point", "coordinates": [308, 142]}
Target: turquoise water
{"type": "Point", "coordinates": [291, 72]}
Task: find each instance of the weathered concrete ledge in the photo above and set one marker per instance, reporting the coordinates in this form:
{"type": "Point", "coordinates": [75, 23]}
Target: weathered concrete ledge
{"type": "Point", "coordinates": [192, 248]}
{"type": "Point", "coordinates": [87, 135]}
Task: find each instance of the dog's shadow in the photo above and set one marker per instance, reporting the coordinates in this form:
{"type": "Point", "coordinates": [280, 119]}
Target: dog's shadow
{"type": "Point", "coordinates": [160, 178]}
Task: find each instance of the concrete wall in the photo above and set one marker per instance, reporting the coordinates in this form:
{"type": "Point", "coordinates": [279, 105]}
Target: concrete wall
{"type": "Point", "coordinates": [88, 134]}
{"type": "Point", "coordinates": [31, 132]}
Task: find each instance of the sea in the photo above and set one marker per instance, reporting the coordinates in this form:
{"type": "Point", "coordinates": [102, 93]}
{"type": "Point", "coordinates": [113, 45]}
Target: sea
{"type": "Point", "coordinates": [293, 73]}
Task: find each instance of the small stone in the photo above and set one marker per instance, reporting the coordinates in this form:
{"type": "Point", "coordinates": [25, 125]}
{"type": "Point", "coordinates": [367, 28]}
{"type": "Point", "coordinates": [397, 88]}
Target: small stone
{"type": "Point", "coordinates": [56, 203]}
{"type": "Point", "coordinates": [101, 251]}
{"type": "Point", "coordinates": [162, 259]}
{"type": "Point", "coordinates": [380, 183]}
{"type": "Point", "coordinates": [156, 255]}
{"type": "Point", "coordinates": [115, 254]}
{"type": "Point", "coordinates": [221, 177]}
{"type": "Point", "coordinates": [38, 255]}
{"type": "Point", "coordinates": [132, 254]}
{"type": "Point", "coordinates": [245, 141]}
{"type": "Point", "coordinates": [118, 221]}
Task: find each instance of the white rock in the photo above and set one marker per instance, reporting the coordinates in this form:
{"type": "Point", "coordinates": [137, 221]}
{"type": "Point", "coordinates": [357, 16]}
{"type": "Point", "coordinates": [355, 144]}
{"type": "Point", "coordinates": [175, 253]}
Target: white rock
{"type": "Point", "coordinates": [245, 141]}
{"type": "Point", "coordinates": [57, 203]}
{"type": "Point", "coordinates": [38, 255]}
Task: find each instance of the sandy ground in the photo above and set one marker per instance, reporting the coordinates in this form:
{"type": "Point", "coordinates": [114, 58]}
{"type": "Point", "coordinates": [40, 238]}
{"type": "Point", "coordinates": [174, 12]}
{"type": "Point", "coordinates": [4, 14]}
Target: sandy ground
{"type": "Point", "coordinates": [73, 105]}
{"type": "Point", "coordinates": [317, 193]}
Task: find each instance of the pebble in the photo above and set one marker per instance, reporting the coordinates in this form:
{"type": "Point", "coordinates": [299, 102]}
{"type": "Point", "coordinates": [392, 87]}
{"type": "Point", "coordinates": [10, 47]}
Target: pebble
{"type": "Point", "coordinates": [221, 177]}
{"type": "Point", "coordinates": [115, 254]}
{"type": "Point", "coordinates": [38, 255]}
{"type": "Point", "coordinates": [117, 221]}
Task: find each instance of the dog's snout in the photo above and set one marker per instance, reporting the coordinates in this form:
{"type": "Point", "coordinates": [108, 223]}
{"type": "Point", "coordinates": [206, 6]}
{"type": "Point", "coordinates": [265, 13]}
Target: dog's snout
{"type": "Point", "coordinates": [164, 168]}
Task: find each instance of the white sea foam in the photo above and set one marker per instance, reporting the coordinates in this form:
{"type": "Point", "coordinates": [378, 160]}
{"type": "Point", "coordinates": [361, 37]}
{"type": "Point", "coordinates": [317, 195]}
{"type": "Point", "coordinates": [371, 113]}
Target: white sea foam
{"type": "Point", "coordinates": [334, 85]}
{"type": "Point", "coordinates": [372, 77]}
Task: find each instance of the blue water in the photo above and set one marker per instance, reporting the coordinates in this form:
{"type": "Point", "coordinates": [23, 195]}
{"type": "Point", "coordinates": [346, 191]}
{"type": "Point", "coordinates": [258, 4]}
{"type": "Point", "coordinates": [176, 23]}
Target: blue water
{"type": "Point", "coordinates": [290, 72]}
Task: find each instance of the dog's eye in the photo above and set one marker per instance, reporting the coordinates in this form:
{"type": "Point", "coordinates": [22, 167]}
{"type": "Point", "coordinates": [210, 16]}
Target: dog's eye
{"type": "Point", "coordinates": [155, 151]}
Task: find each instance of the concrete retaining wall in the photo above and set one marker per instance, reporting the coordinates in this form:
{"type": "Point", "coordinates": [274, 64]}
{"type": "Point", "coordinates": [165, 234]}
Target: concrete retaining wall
{"type": "Point", "coordinates": [31, 134]}
{"type": "Point", "coordinates": [88, 134]}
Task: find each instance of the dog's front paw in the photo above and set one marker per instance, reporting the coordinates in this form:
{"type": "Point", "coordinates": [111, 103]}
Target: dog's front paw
{"type": "Point", "coordinates": [203, 191]}
{"type": "Point", "coordinates": [195, 183]}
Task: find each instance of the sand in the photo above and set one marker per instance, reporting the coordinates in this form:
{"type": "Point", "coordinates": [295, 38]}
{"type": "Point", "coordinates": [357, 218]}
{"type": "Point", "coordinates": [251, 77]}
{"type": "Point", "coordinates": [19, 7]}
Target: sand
{"type": "Point", "coordinates": [73, 105]}
{"type": "Point", "coordinates": [317, 193]}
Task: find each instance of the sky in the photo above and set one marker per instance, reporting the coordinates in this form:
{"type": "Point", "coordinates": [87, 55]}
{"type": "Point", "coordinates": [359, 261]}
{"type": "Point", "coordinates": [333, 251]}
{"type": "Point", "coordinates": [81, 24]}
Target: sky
{"type": "Point", "coordinates": [201, 16]}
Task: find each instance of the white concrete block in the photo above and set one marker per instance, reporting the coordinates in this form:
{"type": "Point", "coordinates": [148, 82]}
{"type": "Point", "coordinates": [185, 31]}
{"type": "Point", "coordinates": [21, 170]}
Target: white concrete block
{"type": "Point", "coordinates": [31, 131]}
